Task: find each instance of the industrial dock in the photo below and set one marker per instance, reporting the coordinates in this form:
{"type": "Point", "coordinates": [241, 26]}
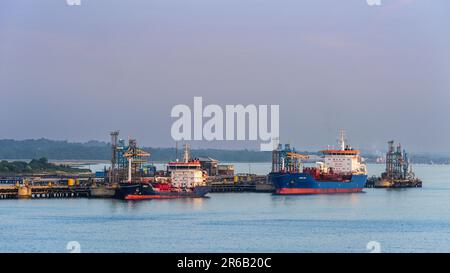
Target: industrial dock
{"type": "Point", "coordinates": [398, 173]}
{"type": "Point", "coordinates": [70, 188]}
{"type": "Point", "coordinates": [129, 166]}
{"type": "Point", "coordinates": [23, 188]}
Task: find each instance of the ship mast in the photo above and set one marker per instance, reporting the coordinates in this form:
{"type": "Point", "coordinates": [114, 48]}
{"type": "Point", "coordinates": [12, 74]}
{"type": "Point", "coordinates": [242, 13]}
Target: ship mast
{"type": "Point", "coordinates": [341, 140]}
{"type": "Point", "coordinates": [186, 153]}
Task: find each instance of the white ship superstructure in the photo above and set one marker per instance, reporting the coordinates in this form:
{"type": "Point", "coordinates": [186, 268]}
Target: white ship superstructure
{"type": "Point", "coordinates": [344, 160]}
{"type": "Point", "coordinates": [188, 173]}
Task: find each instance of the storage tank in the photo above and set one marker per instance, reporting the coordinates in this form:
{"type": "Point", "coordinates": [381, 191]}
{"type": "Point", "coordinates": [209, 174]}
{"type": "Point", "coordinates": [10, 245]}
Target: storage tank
{"type": "Point", "coordinates": [71, 182]}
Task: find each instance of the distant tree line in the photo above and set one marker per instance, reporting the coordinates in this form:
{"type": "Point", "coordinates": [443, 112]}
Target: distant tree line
{"type": "Point", "coordinates": [34, 166]}
{"type": "Point", "coordinates": [96, 150]}
{"type": "Point", "coordinates": [51, 149]}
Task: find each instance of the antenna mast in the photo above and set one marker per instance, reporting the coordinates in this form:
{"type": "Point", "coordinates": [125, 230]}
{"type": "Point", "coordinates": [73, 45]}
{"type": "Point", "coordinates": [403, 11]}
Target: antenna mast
{"type": "Point", "coordinates": [114, 137]}
{"type": "Point", "coordinates": [176, 151]}
{"type": "Point", "coordinates": [342, 140]}
{"type": "Point", "coordinates": [186, 153]}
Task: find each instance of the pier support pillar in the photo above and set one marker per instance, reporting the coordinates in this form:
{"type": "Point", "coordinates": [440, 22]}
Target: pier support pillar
{"type": "Point", "coordinates": [24, 192]}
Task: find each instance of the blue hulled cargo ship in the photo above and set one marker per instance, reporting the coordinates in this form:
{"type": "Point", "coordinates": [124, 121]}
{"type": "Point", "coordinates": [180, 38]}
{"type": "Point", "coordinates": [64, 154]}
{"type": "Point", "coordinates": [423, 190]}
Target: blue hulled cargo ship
{"type": "Point", "coordinates": [303, 183]}
{"type": "Point", "coordinates": [340, 172]}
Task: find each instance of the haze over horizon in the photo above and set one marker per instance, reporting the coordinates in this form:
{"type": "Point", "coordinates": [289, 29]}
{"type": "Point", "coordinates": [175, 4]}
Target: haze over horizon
{"type": "Point", "coordinates": [78, 72]}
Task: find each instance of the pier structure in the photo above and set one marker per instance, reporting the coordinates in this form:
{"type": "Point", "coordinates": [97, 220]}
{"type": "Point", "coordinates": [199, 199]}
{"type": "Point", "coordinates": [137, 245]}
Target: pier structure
{"type": "Point", "coordinates": [240, 183]}
{"type": "Point", "coordinates": [398, 173]}
{"type": "Point", "coordinates": [286, 159]}
{"type": "Point", "coordinates": [37, 191]}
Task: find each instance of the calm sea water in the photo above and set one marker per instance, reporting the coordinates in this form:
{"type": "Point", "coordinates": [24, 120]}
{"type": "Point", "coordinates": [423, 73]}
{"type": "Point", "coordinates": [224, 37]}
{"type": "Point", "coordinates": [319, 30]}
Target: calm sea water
{"type": "Point", "coordinates": [406, 220]}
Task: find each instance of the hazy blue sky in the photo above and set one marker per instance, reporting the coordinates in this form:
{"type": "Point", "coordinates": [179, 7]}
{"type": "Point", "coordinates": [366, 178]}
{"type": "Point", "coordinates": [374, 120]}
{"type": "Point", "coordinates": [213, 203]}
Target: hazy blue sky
{"type": "Point", "coordinates": [76, 73]}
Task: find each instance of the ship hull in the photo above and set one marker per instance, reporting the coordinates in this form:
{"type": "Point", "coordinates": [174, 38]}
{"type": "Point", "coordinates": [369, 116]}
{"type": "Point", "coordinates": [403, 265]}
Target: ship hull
{"type": "Point", "coordinates": [125, 189]}
{"type": "Point", "coordinates": [302, 183]}
{"type": "Point", "coordinates": [146, 192]}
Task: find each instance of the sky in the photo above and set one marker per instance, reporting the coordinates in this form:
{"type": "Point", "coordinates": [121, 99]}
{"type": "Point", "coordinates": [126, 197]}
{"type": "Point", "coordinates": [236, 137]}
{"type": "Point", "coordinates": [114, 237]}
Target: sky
{"type": "Point", "coordinates": [78, 72]}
